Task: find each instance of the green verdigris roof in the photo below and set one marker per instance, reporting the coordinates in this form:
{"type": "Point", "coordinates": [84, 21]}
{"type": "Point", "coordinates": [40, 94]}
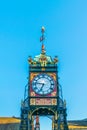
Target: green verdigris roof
{"type": "Point", "coordinates": [38, 57]}
{"type": "Point", "coordinates": [42, 59]}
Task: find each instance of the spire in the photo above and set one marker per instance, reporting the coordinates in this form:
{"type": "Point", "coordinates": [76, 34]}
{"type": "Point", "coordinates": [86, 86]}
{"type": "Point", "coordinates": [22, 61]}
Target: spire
{"type": "Point", "coordinates": [42, 59]}
{"type": "Point", "coordinates": [42, 38]}
{"type": "Point", "coordinates": [43, 49]}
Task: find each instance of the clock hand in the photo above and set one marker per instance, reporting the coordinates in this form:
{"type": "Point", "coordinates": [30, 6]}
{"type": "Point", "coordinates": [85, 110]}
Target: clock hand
{"type": "Point", "coordinates": [39, 83]}
{"type": "Point", "coordinates": [52, 83]}
{"type": "Point", "coordinates": [41, 87]}
{"type": "Point", "coordinates": [51, 88]}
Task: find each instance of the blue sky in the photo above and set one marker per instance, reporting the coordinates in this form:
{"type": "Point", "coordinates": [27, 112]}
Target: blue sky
{"type": "Point", "coordinates": [66, 36]}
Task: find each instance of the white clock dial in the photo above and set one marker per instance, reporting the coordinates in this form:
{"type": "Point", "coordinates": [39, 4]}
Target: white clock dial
{"type": "Point", "coordinates": [43, 84]}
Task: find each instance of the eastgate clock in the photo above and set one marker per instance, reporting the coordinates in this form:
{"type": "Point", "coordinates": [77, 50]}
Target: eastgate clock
{"type": "Point", "coordinates": [43, 84]}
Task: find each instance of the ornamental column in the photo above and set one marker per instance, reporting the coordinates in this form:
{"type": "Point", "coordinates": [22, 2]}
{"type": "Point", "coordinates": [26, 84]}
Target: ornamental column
{"type": "Point", "coordinates": [37, 125]}
{"type": "Point", "coordinates": [53, 123]}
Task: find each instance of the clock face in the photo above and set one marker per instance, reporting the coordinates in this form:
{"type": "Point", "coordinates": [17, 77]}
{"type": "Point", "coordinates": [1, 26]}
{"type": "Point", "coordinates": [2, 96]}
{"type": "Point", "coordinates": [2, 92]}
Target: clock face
{"type": "Point", "coordinates": [43, 84]}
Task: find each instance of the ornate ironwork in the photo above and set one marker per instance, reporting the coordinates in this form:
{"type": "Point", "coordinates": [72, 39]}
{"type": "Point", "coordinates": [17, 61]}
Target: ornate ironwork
{"type": "Point", "coordinates": [51, 104]}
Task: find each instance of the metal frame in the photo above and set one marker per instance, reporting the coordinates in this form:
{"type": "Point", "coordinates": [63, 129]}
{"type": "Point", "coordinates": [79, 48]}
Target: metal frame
{"type": "Point", "coordinates": [58, 112]}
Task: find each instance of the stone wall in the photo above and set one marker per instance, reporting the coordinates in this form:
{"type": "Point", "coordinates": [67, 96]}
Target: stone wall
{"type": "Point", "coordinates": [10, 126]}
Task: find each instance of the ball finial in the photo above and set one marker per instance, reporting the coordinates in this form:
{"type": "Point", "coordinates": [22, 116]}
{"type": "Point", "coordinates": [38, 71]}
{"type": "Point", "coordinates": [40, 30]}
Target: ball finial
{"type": "Point", "coordinates": [43, 29]}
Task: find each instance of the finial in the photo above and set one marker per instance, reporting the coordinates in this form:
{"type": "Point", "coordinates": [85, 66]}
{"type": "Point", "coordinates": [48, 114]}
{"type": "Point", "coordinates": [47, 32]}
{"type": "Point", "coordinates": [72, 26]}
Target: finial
{"type": "Point", "coordinates": [43, 49]}
{"type": "Point", "coordinates": [42, 38]}
{"type": "Point", "coordinates": [30, 60]}
{"type": "Point", "coordinates": [43, 29]}
{"type": "Point", "coordinates": [65, 103]}
{"type": "Point", "coordinates": [55, 59]}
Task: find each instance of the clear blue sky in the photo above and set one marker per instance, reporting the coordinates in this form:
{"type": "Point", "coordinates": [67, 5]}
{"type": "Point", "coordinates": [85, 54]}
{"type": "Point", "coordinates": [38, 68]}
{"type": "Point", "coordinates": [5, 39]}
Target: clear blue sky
{"type": "Point", "coordinates": [66, 36]}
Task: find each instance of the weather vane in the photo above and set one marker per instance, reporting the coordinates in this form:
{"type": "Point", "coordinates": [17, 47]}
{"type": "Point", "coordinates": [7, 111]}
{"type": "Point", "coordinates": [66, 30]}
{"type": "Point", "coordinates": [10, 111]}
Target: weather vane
{"type": "Point", "coordinates": [42, 38]}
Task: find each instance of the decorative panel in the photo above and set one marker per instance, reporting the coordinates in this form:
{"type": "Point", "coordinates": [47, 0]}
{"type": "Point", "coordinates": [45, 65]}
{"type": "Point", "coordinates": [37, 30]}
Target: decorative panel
{"type": "Point", "coordinates": [43, 102]}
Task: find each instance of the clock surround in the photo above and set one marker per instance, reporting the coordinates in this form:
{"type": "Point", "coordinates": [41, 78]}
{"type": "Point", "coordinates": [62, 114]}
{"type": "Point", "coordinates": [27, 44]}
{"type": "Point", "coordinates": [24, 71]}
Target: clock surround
{"type": "Point", "coordinates": [43, 84]}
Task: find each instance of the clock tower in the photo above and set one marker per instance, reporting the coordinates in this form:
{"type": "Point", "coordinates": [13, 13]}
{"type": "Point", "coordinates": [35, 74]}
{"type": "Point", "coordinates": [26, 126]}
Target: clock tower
{"type": "Point", "coordinates": [43, 95]}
